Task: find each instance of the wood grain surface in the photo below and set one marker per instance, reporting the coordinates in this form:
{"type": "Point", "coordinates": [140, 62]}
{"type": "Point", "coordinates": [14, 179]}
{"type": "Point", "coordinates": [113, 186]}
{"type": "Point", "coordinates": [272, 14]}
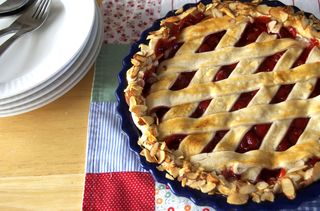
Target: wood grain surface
{"type": "Point", "coordinates": [42, 154]}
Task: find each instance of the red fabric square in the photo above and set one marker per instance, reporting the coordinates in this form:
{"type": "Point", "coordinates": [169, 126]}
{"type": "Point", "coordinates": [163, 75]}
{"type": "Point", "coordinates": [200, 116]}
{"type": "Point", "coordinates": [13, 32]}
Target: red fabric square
{"type": "Point", "coordinates": [119, 191]}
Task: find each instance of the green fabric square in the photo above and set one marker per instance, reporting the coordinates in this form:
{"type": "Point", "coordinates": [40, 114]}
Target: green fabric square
{"type": "Point", "coordinates": [108, 65]}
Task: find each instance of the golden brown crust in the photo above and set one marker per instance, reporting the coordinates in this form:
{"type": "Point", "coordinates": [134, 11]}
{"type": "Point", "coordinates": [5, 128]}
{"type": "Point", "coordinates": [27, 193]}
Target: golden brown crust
{"type": "Point", "coordinates": [196, 171]}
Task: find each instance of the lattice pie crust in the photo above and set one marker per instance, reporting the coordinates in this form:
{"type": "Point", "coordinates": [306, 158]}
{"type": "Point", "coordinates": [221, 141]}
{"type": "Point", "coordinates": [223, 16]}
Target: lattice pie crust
{"type": "Point", "coordinates": [230, 167]}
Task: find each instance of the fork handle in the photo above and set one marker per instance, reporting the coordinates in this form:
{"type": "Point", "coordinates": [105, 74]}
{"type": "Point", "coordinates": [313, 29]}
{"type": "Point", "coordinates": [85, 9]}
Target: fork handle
{"type": "Point", "coordinates": [9, 29]}
{"type": "Point", "coordinates": [9, 42]}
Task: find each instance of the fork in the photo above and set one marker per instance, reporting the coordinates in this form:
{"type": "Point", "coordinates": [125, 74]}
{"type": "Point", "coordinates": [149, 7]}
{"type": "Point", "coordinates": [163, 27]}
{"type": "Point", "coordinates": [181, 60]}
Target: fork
{"type": "Point", "coordinates": [13, 6]}
{"type": "Point", "coordinates": [29, 21]}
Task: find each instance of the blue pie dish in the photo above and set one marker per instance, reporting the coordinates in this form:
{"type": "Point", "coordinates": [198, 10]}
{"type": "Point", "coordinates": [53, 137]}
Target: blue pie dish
{"type": "Point", "coordinates": [304, 197]}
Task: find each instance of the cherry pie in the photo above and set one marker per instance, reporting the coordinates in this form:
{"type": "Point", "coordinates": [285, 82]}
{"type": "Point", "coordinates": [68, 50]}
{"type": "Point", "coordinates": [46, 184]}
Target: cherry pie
{"type": "Point", "coordinates": [226, 96]}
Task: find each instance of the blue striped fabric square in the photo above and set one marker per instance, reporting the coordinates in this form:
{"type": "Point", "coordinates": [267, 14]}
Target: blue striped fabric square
{"type": "Point", "coordinates": [108, 148]}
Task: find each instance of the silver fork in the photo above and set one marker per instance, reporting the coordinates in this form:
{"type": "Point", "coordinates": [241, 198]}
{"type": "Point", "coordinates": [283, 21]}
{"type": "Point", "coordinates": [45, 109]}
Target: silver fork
{"type": "Point", "coordinates": [29, 21]}
{"type": "Point", "coordinates": [12, 6]}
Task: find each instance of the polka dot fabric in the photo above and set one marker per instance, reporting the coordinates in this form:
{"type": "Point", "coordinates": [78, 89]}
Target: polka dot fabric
{"type": "Point", "coordinates": [119, 191]}
{"type": "Point", "coordinates": [124, 20]}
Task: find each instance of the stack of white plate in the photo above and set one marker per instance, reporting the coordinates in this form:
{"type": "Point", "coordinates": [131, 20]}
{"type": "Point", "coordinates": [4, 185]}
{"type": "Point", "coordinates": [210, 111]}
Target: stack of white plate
{"type": "Point", "coordinates": [44, 64]}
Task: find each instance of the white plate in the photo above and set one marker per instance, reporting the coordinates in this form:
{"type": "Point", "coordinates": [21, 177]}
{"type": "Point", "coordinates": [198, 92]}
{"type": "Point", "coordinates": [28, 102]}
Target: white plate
{"type": "Point", "coordinates": [81, 66]}
{"type": "Point", "coordinates": [55, 80]}
{"type": "Point", "coordinates": [41, 54]}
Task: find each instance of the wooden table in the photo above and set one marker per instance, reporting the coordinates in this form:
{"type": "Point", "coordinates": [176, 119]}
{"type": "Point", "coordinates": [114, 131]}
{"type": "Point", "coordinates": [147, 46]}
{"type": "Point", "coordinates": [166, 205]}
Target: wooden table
{"type": "Point", "coordinates": [42, 154]}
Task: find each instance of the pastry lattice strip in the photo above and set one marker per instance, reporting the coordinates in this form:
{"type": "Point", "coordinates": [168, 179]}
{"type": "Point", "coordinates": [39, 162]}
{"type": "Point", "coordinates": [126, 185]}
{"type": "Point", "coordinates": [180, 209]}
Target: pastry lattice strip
{"type": "Point", "coordinates": [177, 68]}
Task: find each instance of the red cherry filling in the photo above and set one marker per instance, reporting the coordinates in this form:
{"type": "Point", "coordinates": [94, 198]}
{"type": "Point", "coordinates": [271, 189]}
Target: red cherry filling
{"type": "Point", "coordinates": [210, 42]}
{"type": "Point", "coordinates": [304, 55]}
{"type": "Point", "coordinates": [295, 130]}
{"type": "Point", "coordinates": [282, 93]}
{"type": "Point", "coordinates": [250, 141]}
{"type": "Point", "coordinates": [243, 100]}
{"type": "Point", "coordinates": [270, 175]}
{"type": "Point", "coordinates": [173, 51]}
{"type": "Point", "coordinates": [149, 79]}
{"type": "Point", "coordinates": [182, 81]}
{"type": "Point", "coordinates": [189, 20]}
{"type": "Point", "coordinates": [312, 161]}
{"type": "Point", "coordinates": [160, 112]}
{"type": "Point", "coordinates": [215, 140]}
{"type": "Point", "coordinates": [230, 175]}
{"type": "Point", "coordinates": [253, 138]}
{"type": "Point", "coordinates": [173, 141]}
{"type": "Point", "coordinates": [269, 63]}
{"type": "Point", "coordinates": [287, 32]}
{"type": "Point", "coordinates": [316, 89]}
{"type": "Point", "coordinates": [164, 45]}
{"type": "Point", "coordinates": [253, 31]}
{"type": "Point", "coordinates": [255, 135]}
{"type": "Point", "coordinates": [262, 129]}
{"type": "Point", "coordinates": [224, 72]}
{"type": "Point", "coordinates": [202, 107]}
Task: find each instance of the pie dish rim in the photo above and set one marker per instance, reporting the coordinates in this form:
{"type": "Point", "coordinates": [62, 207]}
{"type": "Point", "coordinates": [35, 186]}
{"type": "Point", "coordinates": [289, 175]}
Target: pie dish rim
{"type": "Point", "coordinates": [216, 201]}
